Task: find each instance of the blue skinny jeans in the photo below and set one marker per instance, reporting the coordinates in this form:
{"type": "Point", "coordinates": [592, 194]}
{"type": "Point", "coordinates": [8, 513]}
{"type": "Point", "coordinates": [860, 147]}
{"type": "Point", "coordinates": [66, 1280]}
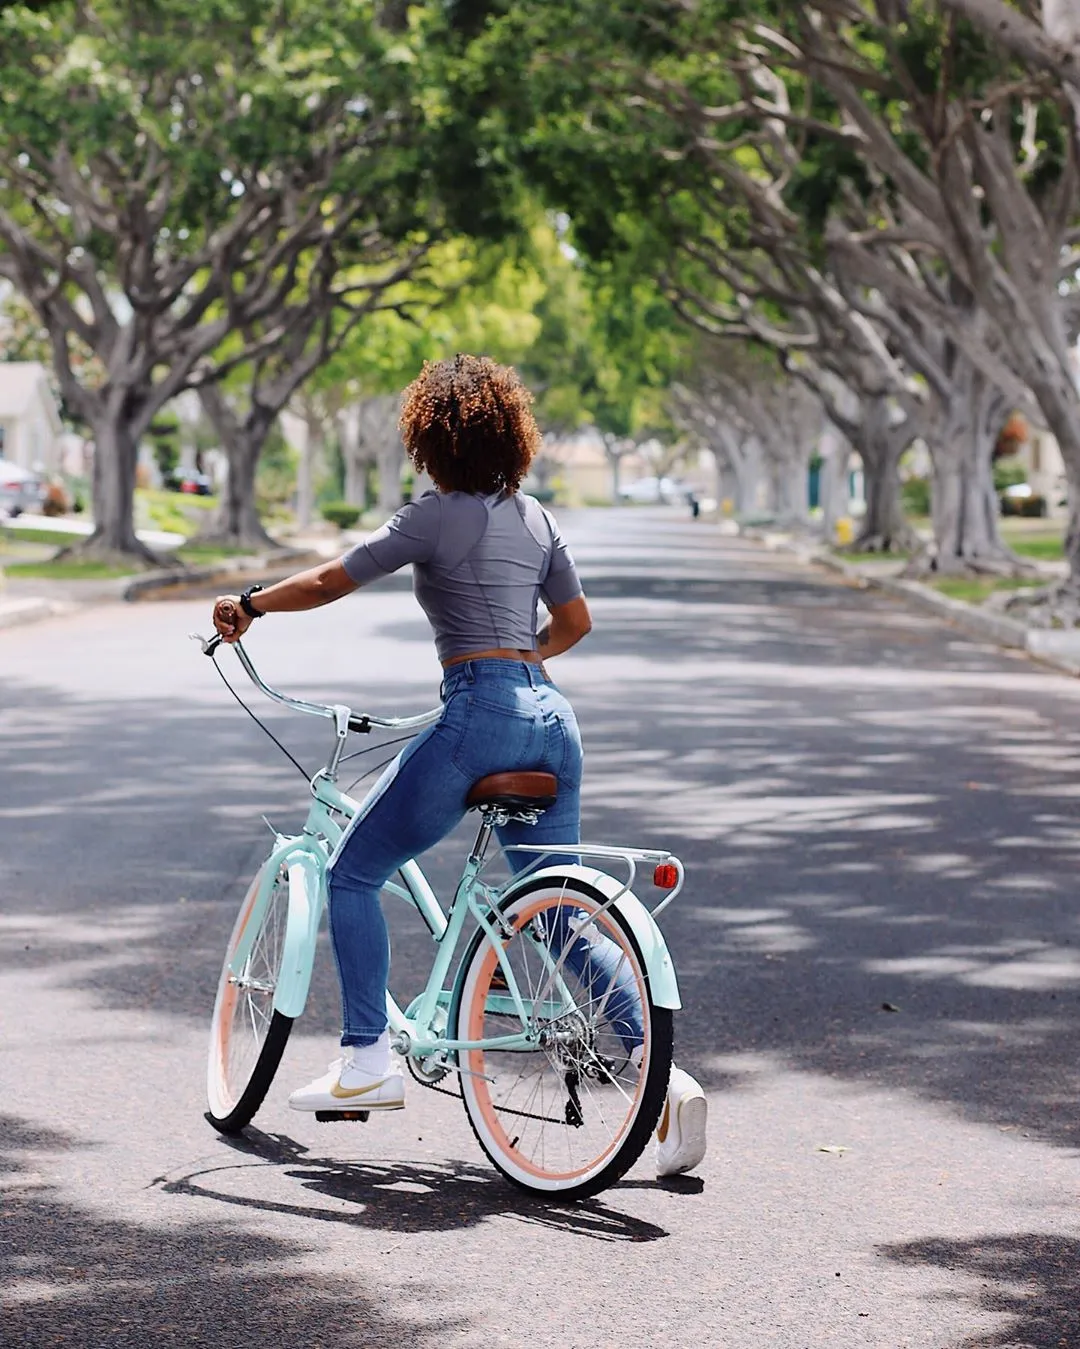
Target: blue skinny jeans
{"type": "Point", "coordinates": [498, 716]}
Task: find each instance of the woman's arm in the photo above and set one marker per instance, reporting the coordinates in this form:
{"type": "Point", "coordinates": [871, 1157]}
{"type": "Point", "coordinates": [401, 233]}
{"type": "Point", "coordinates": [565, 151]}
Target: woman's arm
{"type": "Point", "coordinates": [306, 590]}
{"type": "Point", "coordinates": [566, 626]}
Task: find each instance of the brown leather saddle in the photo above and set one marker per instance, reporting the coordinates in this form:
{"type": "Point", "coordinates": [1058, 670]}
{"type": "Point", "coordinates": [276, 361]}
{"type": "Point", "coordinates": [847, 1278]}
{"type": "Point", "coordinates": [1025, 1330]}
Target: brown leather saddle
{"type": "Point", "coordinates": [514, 791]}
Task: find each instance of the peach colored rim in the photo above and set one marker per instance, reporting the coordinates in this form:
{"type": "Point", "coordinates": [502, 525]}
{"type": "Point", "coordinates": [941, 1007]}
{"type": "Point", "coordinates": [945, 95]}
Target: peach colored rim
{"type": "Point", "coordinates": [476, 1031]}
{"type": "Point", "coordinates": [229, 992]}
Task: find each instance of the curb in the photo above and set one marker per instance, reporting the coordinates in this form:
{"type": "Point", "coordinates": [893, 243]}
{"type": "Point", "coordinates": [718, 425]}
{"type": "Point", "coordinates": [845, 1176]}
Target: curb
{"type": "Point", "coordinates": [15, 613]}
{"type": "Point", "coordinates": [163, 584]}
{"type": "Point", "coordinates": [1058, 649]}
{"type": "Point", "coordinates": [269, 566]}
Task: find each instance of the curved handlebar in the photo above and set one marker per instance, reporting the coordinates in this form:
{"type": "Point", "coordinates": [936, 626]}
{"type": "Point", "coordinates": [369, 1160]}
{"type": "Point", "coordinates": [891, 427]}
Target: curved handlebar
{"type": "Point", "coordinates": [362, 723]}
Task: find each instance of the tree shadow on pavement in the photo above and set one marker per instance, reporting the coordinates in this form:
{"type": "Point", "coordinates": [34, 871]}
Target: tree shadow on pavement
{"type": "Point", "coordinates": [396, 1196]}
{"type": "Point", "coordinates": [68, 1276]}
{"type": "Point", "coordinates": [875, 813]}
{"type": "Point", "coordinates": [1033, 1277]}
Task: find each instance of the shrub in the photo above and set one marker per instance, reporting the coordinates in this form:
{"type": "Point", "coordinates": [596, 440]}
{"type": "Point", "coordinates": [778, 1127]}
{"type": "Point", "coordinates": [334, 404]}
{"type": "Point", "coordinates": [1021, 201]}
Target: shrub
{"type": "Point", "coordinates": [1008, 472]}
{"type": "Point", "coordinates": [56, 500]}
{"type": "Point", "coordinates": [1013, 434]}
{"type": "Point", "coordinates": [915, 496]}
{"type": "Point", "coordinates": [340, 513]}
{"type": "Point", "coordinates": [1033, 506]}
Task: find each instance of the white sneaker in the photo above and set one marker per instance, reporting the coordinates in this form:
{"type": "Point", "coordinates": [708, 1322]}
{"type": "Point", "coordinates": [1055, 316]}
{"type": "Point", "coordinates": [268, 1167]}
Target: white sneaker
{"type": "Point", "coordinates": [680, 1135]}
{"type": "Point", "coordinates": [346, 1087]}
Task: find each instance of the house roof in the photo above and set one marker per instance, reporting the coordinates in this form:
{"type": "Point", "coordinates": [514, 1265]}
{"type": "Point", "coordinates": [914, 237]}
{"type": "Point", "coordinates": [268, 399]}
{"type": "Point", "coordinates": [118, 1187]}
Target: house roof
{"type": "Point", "coordinates": [20, 383]}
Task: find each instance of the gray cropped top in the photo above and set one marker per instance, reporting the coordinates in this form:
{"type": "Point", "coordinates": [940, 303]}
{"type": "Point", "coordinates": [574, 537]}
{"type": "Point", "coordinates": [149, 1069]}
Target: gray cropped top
{"type": "Point", "coordinates": [479, 565]}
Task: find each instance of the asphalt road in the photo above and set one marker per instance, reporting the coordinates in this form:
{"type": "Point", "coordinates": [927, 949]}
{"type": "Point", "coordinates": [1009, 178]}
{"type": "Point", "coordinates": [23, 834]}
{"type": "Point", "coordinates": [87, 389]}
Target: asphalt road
{"type": "Point", "coordinates": [879, 951]}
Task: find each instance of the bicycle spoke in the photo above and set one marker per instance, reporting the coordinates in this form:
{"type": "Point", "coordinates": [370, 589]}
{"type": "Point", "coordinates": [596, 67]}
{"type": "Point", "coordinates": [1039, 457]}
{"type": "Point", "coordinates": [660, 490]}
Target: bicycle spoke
{"type": "Point", "coordinates": [248, 1015]}
{"type": "Point", "coordinates": [565, 1105]}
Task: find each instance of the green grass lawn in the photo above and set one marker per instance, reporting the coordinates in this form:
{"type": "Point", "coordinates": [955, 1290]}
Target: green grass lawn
{"type": "Point", "coordinates": [10, 539]}
{"type": "Point", "coordinates": [1041, 547]}
{"type": "Point", "coordinates": [176, 512]}
{"type": "Point", "coordinates": [67, 570]}
{"type": "Point", "coordinates": [975, 590]}
{"type": "Point", "coordinates": [900, 556]}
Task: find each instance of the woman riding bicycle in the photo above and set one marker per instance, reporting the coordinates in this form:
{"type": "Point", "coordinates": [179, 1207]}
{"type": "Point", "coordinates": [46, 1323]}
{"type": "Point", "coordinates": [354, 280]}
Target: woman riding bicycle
{"type": "Point", "coordinates": [482, 553]}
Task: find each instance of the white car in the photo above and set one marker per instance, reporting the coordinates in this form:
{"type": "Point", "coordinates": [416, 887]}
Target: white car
{"type": "Point", "coordinates": [652, 489]}
{"type": "Point", "coordinates": [20, 490]}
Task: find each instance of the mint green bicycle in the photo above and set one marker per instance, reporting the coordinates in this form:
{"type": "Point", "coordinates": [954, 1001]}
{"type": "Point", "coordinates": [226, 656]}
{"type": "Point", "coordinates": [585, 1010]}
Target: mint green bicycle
{"type": "Point", "coordinates": [561, 1091]}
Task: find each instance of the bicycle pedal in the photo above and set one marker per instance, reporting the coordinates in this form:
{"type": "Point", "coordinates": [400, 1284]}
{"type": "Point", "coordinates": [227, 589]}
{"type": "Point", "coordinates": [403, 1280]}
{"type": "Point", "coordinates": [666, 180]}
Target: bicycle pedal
{"type": "Point", "coordinates": [333, 1116]}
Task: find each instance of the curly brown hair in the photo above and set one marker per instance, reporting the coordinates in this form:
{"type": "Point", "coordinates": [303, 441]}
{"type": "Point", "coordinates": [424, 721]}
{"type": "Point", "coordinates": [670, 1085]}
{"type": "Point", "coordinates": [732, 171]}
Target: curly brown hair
{"type": "Point", "coordinates": [468, 423]}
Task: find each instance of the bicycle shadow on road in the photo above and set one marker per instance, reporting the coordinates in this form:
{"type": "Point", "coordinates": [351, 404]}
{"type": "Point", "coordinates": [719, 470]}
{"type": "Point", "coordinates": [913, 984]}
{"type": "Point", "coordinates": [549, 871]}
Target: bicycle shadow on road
{"type": "Point", "coordinates": [402, 1196]}
{"type": "Point", "coordinates": [1031, 1276]}
{"type": "Point", "coordinates": [73, 1276]}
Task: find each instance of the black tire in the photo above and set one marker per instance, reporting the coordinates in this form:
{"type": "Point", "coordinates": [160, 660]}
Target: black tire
{"type": "Point", "coordinates": [474, 981]}
{"type": "Point", "coordinates": [259, 1084]}
{"type": "Point", "coordinates": [247, 1034]}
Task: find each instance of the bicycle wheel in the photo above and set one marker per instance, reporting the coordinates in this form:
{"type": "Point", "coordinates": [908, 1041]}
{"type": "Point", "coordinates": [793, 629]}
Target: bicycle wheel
{"type": "Point", "coordinates": [247, 1037]}
{"type": "Point", "coordinates": [573, 1114]}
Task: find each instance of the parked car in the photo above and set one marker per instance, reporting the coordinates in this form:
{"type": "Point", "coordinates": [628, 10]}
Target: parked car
{"type": "Point", "coordinates": [652, 489]}
{"type": "Point", "coordinates": [20, 490]}
{"type": "Point", "coordinates": [1022, 499]}
{"type": "Point", "coordinates": [193, 483]}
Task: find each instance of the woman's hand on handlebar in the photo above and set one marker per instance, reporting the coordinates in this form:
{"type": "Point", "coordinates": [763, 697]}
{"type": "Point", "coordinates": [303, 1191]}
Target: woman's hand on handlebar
{"type": "Point", "coordinates": [230, 619]}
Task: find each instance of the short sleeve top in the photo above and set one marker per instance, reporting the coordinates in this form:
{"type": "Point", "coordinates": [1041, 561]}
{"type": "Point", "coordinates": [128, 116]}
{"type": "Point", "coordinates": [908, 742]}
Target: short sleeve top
{"type": "Point", "coordinates": [480, 563]}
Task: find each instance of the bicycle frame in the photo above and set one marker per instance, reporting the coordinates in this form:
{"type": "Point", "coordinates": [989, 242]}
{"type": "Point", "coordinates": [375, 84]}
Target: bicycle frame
{"type": "Point", "coordinates": [305, 858]}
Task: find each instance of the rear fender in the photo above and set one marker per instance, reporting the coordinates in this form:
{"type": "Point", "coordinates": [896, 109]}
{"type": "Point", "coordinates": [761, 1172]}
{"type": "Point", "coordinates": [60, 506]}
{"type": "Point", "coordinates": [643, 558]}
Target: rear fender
{"type": "Point", "coordinates": [654, 952]}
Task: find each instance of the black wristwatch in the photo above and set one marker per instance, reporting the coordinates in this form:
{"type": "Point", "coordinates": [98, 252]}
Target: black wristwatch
{"type": "Point", "coordinates": [246, 604]}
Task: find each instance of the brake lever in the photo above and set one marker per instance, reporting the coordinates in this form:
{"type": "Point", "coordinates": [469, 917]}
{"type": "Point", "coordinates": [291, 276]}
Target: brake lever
{"type": "Point", "coordinates": [209, 644]}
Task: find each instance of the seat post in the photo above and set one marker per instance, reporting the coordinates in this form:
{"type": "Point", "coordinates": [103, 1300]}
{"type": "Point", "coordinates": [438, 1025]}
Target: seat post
{"type": "Point", "coordinates": [483, 836]}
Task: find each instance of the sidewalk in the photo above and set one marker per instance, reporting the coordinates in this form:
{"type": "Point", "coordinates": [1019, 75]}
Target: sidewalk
{"type": "Point", "coordinates": [1058, 648]}
{"type": "Point", "coordinates": [28, 600]}
{"type": "Point", "coordinates": [153, 538]}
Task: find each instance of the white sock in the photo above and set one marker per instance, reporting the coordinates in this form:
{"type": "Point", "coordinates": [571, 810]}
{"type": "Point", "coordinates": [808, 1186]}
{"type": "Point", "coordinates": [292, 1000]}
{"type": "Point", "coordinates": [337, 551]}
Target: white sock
{"type": "Point", "coordinates": [373, 1059]}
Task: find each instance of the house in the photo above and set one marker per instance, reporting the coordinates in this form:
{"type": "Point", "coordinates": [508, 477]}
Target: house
{"type": "Point", "coordinates": [30, 425]}
{"type": "Point", "coordinates": [1041, 457]}
{"type": "Point", "coordinates": [577, 469]}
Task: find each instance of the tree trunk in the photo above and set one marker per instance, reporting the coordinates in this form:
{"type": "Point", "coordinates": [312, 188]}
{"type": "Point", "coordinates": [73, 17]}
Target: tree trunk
{"type": "Point", "coordinates": [113, 487]}
{"type": "Point", "coordinates": [965, 504]}
{"type": "Point", "coordinates": [391, 456]}
{"type": "Point", "coordinates": [236, 522]}
{"type": "Point", "coordinates": [615, 460]}
{"type": "Point", "coordinates": [791, 487]}
{"type": "Point", "coordinates": [352, 455]}
{"type": "Point", "coordinates": [1059, 401]}
{"type": "Point", "coordinates": [744, 472]}
{"type": "Point", "coordinates": [884, 528]}
{"type": "Point", "coordinates": [310, 453]}
{"type": "Point", "coordinates": [832, 479]}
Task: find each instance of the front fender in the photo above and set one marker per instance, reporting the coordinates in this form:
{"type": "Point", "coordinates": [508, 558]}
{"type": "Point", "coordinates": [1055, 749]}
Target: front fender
{"type": "Point", "coordinates": [654, 952]}
{"type": "Point", "coordinates": [298, 957]}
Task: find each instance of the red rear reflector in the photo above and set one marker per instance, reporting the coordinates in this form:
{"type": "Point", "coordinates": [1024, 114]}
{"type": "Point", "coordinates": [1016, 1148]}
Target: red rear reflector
{"type": "Point", "coordinates": [666, 876]}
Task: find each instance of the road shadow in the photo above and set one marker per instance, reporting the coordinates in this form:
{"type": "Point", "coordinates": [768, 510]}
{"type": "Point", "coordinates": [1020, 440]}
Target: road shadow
{"type": "Point", "coordinates": [69, 1276]}
{"type": "Point", "coordinates": [1033, 1277]}
{"type": "Point", "coordinates": [877, 817]}
{"type": "Point", "coordinates": [396, 1196]}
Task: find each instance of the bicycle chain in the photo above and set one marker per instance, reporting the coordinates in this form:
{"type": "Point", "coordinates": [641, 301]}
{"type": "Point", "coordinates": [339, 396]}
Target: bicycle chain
{"type": "Point", "coordinates": [502, 1109]}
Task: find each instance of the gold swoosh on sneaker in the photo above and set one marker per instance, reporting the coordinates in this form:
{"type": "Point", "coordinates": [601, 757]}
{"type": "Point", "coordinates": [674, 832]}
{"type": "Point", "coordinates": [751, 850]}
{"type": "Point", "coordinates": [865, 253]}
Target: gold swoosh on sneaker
{"type": "Point", "coordinates": [350, 1093]}
{"type": "Point", "coordinates": [665, 1122]}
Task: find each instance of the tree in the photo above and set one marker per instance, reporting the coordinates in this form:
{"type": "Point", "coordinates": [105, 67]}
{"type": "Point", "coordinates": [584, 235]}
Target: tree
{"type": "Point", "coordinates": [985, 155]}
{"type": "Point", "coordinates": [193, 188]}
{"type": "Point", "coordinates": [758, 420]}
{"type": "Point", "coordinates": [786, 157]}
